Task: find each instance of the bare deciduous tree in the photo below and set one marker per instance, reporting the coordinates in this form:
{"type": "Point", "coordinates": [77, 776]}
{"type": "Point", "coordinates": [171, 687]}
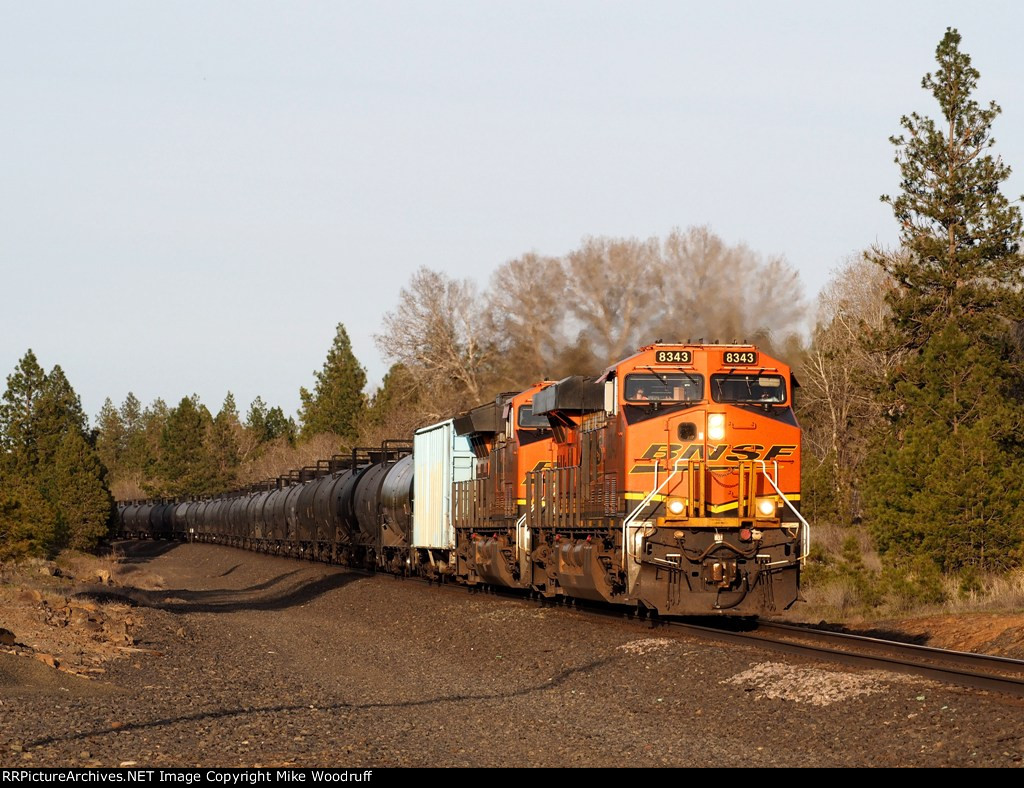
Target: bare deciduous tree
{"type": "Point", "coordinates": [528, 312]}
{"type": "Point", "coordinates": [712, 290]}
{"type": "Point", "coordinates": [550, 317]}
{"type": "Point", "coordinates": [441, 333]}
{"type": "Point", "coordinates": [612, 293]}
{"type": "Point", "coordinates": [841, 373]}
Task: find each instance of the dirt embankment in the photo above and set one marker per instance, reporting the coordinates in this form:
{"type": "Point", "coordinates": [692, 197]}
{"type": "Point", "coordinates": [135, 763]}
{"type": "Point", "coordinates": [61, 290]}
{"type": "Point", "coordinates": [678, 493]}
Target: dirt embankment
{"type": "Point", "coordinates": [238, 659]}
{"type": "Point", "coordinates": [67, 615]}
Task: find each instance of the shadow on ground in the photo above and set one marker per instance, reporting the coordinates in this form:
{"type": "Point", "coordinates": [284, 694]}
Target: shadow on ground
{"type": "Point", "coordinates": [438, 700]}
{"type": "Point", "coordinates": [279, 593]}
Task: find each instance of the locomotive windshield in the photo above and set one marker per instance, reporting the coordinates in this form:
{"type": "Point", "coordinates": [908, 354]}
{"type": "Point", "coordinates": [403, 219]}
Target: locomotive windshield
{"type": "Point", "coordinates": [665, 387]}
{"type": "Point", "coordinates": [528, 421]}
{"type": "Point", "coordinates": [748, 388]}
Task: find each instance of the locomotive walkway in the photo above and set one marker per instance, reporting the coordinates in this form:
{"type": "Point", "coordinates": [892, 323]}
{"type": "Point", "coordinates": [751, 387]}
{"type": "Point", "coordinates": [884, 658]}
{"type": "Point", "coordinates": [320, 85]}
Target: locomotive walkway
{"type": "Point", "coordinates": [255, 660]}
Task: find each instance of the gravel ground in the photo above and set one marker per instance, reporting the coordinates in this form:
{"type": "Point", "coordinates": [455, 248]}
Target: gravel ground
{"type": "Point", "coordinates": [251, 660]}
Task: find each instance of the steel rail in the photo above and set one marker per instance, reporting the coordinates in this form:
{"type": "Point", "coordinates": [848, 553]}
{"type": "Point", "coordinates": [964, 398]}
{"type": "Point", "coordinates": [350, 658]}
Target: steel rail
{"type": "Point", "coordinates": [977, 671]}
{"type": "Point", "coordinates": [961, 668]}
{"type": "Point", "coordinates": [951, 667]}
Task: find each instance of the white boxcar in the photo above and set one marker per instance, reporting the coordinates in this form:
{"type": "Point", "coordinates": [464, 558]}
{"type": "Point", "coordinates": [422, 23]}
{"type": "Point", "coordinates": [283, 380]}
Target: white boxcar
{"type": "Point", "coordinates": [441, 457]}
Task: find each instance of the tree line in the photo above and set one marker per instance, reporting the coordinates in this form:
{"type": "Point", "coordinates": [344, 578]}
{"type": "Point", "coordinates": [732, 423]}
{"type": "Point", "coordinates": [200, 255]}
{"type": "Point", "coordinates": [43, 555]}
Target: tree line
{"type": "Point", "coordinates": [912, 381]}
{"type": "Point", "coordinates": [53, 485]}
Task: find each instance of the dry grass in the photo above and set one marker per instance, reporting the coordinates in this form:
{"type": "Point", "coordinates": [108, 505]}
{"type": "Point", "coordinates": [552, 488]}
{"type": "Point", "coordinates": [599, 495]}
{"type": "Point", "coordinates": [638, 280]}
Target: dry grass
{"type": "Point", "coordinates": [848, 579]}
{"type": "Point", "coordinates": [990, 593]}
{"type": "Point", "coordinates": [833, 598]}
{"type": "Point", "coordinates": [280, 457]}
{"type": "Point", "coordinates": [85, 566]}
{"type": "Point", "coordinates": [128, 489]}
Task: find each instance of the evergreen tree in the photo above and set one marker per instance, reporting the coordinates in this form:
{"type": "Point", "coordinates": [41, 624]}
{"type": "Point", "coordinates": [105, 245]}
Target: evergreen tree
{"type": "Point", "coordinates": [28, 522]}
{"type": "Point", "coordinates": [397, 392]}
{"type": "Point", "coordinates": [131, 413]}
{"type": "Point", "coordinates": [58, 412]}
{"type": "Point", "coordinates": [18, 437]}
{"type": "Point", "coordinates": [142, 455]}
{"type": "Point", "coordinates": [81, 497]}
{"type": "Point", "coordinates": [111, 436]}
{"type": "Point", "coordinates": [945, 476]}
{"type": "Point", "coordinates": [278, 425]}
{"type": "Point", "coordinates": [268, 424]}
{"type": "Point", "coordinates": [256, 419]}
{"type": "Point", "coordinates": [54, 485]}
{"type": "Point", "coordinates": [185, 466]}
{"type": "Point", "coordinates": [224, 443]}
{"type": "Point", "coordinates": [229, 409]}
{"type": "Point", "coordinates": [337, 402]}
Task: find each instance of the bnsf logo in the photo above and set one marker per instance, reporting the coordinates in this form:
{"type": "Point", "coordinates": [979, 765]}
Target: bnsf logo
{"type": "Point", "coordinates": [667, 455]}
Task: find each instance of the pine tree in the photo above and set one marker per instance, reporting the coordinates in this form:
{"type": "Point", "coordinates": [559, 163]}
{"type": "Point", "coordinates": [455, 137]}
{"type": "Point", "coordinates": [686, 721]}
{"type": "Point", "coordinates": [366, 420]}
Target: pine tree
{"type": "Point", "coordinates": [396, 406]}
{"type": "Point", "coordinates": [111, 436]}
{"type": "Point", "coordinates": [142, 453]}
{"type": "Point", "coordinates": [224, 443]}
{"type": "Point", "coordinates": [185, 466]}
{"type": "Point", "coordinates": [54, 485]}
{"type": "Point", "coordinates": [963, 234]}
{"type": "Point", "coordinates": [58, 412]}
{"type": "Point", "coordinates": [256, 420]}
{"type": "Point", "coordinates": [266, 424]}
{"type": "Point", "coordinates": [945, 476]}
{"type": "Point", "coordinates": [81, 496]}
{"type": "Point", "coordinates": [278, 425]}
{"type": "Point", "coordinates": [337, 402]}
{"type": "Point", "coordinates": [28, 522]}
{"type": "Point", "coordinates": [131, 413]}
{"type": "Point", "coordinates": [18, 428]}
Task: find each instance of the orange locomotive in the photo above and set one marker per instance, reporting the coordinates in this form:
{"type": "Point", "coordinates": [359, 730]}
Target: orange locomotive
{"type": "Point", "coordinates": [508, 441]}
{"type": "Point", "coordinates": [671, 482]}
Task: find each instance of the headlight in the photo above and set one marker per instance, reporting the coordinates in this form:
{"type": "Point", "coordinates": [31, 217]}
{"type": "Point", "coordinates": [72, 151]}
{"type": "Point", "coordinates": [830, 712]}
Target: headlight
{"type": "Point", "coordinates": [716, 426]}
{"type": "Point", "coordinates": [675, 506]}
{"type": "Point", "coordinates": [766, 507]}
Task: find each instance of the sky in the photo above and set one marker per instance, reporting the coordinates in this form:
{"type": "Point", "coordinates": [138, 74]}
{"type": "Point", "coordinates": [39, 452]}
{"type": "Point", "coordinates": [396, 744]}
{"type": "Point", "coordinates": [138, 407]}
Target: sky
{"type": "Point", "coordinates": [194, 194]}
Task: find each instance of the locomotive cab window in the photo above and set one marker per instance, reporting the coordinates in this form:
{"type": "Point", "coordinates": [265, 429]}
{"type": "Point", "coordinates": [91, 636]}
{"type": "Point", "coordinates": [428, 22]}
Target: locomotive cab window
{"type": "Point", "coordinates": [530, 422]}
{"type": "Point", "coordinates": [758, 389]}
{"type": "Point", "coordinates": [668, 387]}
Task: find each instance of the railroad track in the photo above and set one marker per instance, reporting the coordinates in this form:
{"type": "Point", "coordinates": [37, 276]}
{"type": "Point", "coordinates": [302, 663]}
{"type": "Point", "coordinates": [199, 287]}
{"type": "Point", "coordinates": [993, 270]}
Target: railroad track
{"type": "Point", "coordinates": [978, 671]}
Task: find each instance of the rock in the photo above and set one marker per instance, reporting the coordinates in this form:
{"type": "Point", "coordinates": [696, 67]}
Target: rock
{"type": "Point", "coordinates": [6, 637]}
{"type": "Point", "coordinates": [48, 659]}
{"type": "Point", "coordinates": [103, 575]}
{"type": "Point", "coordinates": [84, 754]}
{"type": "Point", "coordinates": [17, 747]}
{"type": "Point", "coordinates": [127, 764]}
{"type": "Point", "coordinates": [46, 569]}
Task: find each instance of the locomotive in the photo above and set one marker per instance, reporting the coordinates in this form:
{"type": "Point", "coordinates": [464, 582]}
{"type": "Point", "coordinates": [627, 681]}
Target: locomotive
{"type": "Point", "coordinates": [670, 483]}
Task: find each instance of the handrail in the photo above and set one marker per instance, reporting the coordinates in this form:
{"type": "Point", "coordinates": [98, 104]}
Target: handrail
{"type": "Point", "coordinates": [519, 524]}
{"type": "Point", "coordinates": [632, 515]}
{"type": "Point", "coordinates": [805, 541]}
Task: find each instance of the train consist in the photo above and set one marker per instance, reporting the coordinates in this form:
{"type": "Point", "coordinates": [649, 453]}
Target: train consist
{"type": "Point", "coordinates": [670, 483]}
